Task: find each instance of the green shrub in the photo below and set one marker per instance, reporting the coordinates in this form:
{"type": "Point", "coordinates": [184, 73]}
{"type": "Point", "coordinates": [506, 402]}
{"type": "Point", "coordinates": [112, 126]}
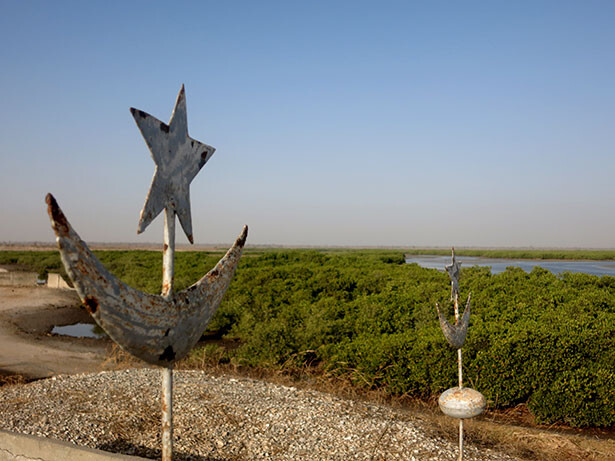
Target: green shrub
{"type": "Point", "coordinates": [537, 338]}
{"type": "Point", "coordinates": [578, 397]}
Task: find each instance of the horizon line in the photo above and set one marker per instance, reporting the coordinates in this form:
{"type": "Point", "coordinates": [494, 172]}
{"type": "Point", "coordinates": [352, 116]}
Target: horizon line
{"type": "Point", "coordinates": [43, 245]}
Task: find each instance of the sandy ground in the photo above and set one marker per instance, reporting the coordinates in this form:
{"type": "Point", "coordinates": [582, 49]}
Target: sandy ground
{"type": "Point", "coordinates": [27, 315]}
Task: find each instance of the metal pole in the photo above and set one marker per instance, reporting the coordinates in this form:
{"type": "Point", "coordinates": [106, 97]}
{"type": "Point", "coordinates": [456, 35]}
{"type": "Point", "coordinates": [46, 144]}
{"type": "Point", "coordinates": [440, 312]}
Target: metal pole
{"type": "Point", "coordinates": [460, 377]}
{"type": "Point", "coordinates": [460, 439]}
{"type": "Point", "coordinates": [168, 253]}
{"type": "Point", "coordinates": [460, 402]}
{"type": "Point", "coordinates": [167, 413]}
{"type": "Point", "coordinates": [168, 272]}
{"type": "Point", "coordinates": [458, 350]}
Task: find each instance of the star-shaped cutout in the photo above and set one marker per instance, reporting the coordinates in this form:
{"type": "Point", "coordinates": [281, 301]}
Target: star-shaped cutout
{"type": "Point", "coordinates": [178, 159]}
{"type": "Point", "coordinates": [453, 272]}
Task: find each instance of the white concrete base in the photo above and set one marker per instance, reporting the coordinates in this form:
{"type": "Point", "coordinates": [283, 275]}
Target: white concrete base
{"type": "Point", "coordinates": [56, 281]}
{"type": "Point", "coordinates": [21, 447]}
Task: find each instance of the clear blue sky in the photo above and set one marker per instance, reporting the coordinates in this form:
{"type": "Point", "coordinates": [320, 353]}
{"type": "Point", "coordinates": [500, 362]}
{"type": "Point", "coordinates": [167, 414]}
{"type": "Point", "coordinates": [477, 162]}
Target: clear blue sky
{"type": "Point", "coordinates": [336, 123]}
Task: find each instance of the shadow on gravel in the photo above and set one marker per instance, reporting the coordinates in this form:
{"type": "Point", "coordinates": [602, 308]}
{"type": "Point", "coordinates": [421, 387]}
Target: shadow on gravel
{"type": "Point", "coordinates": [126, 448]}
{"type": "Point", "coordinates": [8, 378]}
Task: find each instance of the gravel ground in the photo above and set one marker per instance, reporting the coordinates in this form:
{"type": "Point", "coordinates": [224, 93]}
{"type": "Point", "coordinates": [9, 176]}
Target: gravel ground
{"type": "Point", "coordinates": [218, 418]}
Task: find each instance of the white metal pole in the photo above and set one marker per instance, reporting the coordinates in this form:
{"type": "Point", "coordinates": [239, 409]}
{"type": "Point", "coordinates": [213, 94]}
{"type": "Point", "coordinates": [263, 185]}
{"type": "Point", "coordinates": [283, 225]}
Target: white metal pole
{"type": "Point", "coordinates": [460, 378]}
{"type": "Point", "coordinates": [168, 253]}
{"type": "Point", "coordinates": [167, 413]}
{"type": "Point", "coordinates": [168, 272]}
{"type": "Point", "coordinates": [461, 440]}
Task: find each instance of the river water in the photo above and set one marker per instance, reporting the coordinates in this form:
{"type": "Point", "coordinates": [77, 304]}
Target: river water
{"type": "Point", "coordinates": [499, 265]}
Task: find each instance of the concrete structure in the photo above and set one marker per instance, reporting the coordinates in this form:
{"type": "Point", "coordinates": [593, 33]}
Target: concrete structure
{"type": "Point", "coordinates": [21, 447]}
{"type": "Point", "coordinates": [56, 281]}
{"type": "Point", "coordinates": [17, 279]}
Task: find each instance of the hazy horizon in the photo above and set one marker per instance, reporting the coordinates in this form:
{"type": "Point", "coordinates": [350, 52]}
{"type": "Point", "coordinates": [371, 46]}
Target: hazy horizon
{"type": "Point", "coordinates": [202, 246]}
{"type": "Point", "coordinates": [349, 124]}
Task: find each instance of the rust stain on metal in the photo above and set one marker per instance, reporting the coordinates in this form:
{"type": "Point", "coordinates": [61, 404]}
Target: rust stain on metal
{"type": "Point", "coordinates": [91, 304]}
{"type": "Point", "coordinates": [168, 355]}
{"type": "Point", "coordinates": [58, 218]}
{"type": "Point", "coordinates": [185, 315]}
{"type": "Point", "coordinates": [138, 112]}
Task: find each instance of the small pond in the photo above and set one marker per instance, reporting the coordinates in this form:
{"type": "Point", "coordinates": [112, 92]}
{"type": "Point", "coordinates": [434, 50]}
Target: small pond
{"type": "Point", "coordinates": [80, 330]}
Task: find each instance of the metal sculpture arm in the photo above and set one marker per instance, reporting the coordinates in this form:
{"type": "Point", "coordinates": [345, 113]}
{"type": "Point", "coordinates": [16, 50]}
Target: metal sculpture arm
{"type": "Point", "coordinates": [156, 330]}
{"type": "Point", "coordinates": [455, 334]}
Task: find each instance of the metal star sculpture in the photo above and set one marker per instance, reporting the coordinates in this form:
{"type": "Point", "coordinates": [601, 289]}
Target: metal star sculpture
{"type": "Point", "coordinates": [158, 329]}
{"type": "Point", "coordinates": [453, 270]}
{"type": "Point", "coordinates": [458, 402]}
{"type": "Point", "coordinates": [178, 159]}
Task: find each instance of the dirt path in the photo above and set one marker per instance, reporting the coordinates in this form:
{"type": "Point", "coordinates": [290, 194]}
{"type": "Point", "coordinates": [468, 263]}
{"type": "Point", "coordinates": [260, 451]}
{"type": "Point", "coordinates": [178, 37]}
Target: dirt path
{"type": "Point", "coordinates": [27, 347]}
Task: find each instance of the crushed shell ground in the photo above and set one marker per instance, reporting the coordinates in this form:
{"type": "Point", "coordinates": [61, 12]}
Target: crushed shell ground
{"type": "Point", "coordinates": [219, 418]}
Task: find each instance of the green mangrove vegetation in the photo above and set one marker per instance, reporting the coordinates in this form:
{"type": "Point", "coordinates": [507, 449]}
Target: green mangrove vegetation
{"type": "Point", "coordinates": [535, 338]}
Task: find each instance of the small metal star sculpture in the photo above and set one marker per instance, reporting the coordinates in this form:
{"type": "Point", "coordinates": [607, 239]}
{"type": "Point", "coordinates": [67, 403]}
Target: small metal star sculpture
{"type": "Point", "coordinates": [453, 270]}
{"type": "Point", "coordinates": [178, 159]}
{"type": "Point", "coordinates": [458, 402]}
{"type": "Point", "coordinates": [455, 334]}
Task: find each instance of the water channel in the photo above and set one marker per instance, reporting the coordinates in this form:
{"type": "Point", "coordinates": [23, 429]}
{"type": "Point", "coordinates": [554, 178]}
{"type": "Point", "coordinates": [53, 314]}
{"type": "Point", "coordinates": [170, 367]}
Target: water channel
{"type": "Point", "coordinates": [497, 265]}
